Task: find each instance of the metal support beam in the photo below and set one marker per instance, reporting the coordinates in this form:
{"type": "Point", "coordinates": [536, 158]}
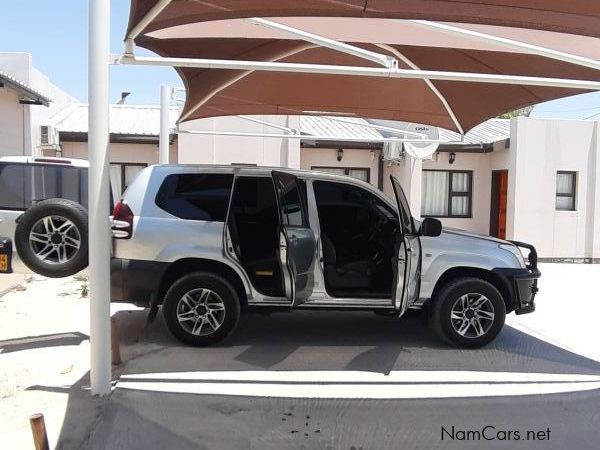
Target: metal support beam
{"type": "Point", "coordinates": [137, 30]}
{"type": "Point", "coordinates": [384, 60]}
{"type": "Point", "coordinates": [163, 137]}
{"type": "Point", "coordinates": [357, 71]}
{"type": "Point", "coordinates": [98, 188]}
{"type": "Point", "coordinates": [269, 124]}
{"type": "Point", "coordinates": [429, 84]}
{"type": "Point", "coordinates": [511, 44]}
{"type": "Point", "coordinates": [312, 137]}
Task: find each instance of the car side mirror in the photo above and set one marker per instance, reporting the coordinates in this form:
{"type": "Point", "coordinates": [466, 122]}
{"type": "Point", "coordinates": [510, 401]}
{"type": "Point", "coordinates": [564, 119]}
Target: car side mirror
{"type": "Point", "coordinates": [431, 227]}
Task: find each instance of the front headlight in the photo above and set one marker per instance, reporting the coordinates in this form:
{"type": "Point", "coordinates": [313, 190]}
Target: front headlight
{"type": "Point", "coordinates": [515, 251]}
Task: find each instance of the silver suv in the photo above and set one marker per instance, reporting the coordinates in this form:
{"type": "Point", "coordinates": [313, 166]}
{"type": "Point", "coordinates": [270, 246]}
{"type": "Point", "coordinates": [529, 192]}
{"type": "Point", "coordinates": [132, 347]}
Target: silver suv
{"type": "Point", "coordinates": [207, 242]}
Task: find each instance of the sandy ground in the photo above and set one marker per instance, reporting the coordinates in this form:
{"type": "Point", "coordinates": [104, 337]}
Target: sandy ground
{"type": "Point", "coordinates": [44, 351]}
{"type": "Point", "coordinates": [44, 346]}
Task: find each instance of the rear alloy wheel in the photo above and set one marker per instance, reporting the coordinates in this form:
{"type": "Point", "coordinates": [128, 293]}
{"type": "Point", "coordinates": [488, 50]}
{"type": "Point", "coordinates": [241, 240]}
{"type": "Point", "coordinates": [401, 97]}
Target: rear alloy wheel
{"type": "Point", "coordinates": [468, 312]}
{"type": "Point", "coordinates": [201, 309]}
{"type": "Point", "coordinates": [52, 238]}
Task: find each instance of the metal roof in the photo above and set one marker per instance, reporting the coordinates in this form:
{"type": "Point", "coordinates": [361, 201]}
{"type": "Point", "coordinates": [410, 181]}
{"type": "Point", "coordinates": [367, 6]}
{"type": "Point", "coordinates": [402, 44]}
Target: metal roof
{"type": "Point", "coordinates": [488, 132]}
{"type": "Point", "coordinates": [128, 120]}
{"type": "Point", "coordinates": [28, 93]}
{"type": "Point", "coordinates": [344, 128]}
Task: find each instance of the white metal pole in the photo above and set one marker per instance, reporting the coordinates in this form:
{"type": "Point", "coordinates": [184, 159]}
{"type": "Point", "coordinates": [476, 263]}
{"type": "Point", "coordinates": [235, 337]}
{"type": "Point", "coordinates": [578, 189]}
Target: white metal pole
{"type": "Point", "coordinates": [380, 72]}
{"type": "Point", "coordinates": [98, 179]}
{"type": "Point", "coordinates": [163, 138]}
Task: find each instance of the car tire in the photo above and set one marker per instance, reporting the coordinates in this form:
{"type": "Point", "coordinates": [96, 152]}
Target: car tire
{"type": "Point", "coordinates": [52, 238]}
{"type": "Point", "coordinates": [468, 312]}
{"type": "Point", "coordinates": [201, 308]}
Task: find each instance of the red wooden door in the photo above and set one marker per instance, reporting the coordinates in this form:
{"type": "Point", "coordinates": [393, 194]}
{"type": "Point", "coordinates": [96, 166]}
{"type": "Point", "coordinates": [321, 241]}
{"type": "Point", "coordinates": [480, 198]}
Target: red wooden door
{"type": "Point", "coordinates": [498, 203]}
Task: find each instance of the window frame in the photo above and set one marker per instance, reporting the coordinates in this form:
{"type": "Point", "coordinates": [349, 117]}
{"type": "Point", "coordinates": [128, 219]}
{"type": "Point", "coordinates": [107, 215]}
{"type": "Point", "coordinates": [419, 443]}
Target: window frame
{"type": "Point", "coordinates": [346, 171]}
{"type": "Point", "coordinates": [572, 195]}
{"type": "Point", "coordinates": [123, 166]}
{"type": "Point", "coordinates": [452, 193]}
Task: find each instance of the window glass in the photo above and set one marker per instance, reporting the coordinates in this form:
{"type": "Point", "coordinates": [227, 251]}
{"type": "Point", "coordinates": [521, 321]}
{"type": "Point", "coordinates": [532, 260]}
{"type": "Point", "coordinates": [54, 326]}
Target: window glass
{"type": "Point", "coordinates": [358, 173]}
{"type": "Point", "coordinates": [460, 206]}
{"type": "Point", "coordinates": [434, 196]}
{"type": "Point", "coordinates": [446, 193]}
{"type": "Point", "coordinates": [196, 196]}
{"type": "Point", "coordinates": [566, 185]}
{"type": "Point", "coordinates": [21, 185]}
{"type": "Point", "coordinates": [289, 195]}
{"type": "Point", "coordinates": [460, 182]}
{"type": "Point", "coordinates": [12, 186]}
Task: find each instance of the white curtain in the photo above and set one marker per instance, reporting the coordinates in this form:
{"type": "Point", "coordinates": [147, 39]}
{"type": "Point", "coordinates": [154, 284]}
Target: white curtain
{"type": "Point", "coordinates": [460, 206]}
{"type": "Point", "coordinates": [361, 174]}
{"type": "Point", "coordinates": [334, 170]}
{"type": "Point", "coordinates": [460, 182]}
{"type": "Point", "coordinates": [115, 182]}
{"type": "Point", "coordinates": [131, 172]}
{"type": "Point", "coordinates": [434, 195]}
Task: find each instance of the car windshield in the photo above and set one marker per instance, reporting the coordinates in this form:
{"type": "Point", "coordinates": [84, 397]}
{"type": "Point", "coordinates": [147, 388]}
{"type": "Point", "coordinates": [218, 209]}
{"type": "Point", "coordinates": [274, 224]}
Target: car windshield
{"type": "Point", "coordinates": [23, 185]}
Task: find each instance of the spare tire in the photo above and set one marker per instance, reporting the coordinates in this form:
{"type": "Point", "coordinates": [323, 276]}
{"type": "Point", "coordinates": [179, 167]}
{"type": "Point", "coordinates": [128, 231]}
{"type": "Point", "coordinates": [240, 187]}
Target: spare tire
{"type": "Point", "coordinates": [52, 238]}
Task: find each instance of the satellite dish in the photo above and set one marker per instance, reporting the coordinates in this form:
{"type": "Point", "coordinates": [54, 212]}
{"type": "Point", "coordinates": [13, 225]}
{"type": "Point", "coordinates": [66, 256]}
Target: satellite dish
{"type": "Point", "coordinates": [421, 150]}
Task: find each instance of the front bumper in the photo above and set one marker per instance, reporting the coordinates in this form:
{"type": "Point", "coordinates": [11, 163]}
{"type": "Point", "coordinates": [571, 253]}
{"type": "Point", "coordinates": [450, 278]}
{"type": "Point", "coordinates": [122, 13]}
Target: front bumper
{"type": "Point", "coordinates": [523, 283]}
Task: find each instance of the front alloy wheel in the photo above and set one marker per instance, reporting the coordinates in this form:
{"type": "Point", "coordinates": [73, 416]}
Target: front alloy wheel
{"type": "Point", "coordinates": [472, 315]}
{"type": "Point", "coordinates": [468, 312]}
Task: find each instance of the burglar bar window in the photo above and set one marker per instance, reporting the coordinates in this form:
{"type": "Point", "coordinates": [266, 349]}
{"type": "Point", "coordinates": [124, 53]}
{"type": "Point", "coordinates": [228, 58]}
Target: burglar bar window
{"type": "Point", "coordinates": [566, 186]}
{"type": "Point", "coordinates": [446, 193]}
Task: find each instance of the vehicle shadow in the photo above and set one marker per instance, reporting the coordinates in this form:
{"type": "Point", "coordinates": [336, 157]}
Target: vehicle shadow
{"type": "Point", "coordinates": [295, 342]}
{"type": "Point", "coordinates": [44, 340]}
{"type": "Point", "coordinates": [315, 340]}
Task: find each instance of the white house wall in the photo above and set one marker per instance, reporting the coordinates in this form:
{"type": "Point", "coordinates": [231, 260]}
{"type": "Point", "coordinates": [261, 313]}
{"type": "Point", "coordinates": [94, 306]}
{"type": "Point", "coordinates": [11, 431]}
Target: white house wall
{"type": "Point", "coordinates": [212, 149]}
{"type": "Point", "coordinates": [544, 147]}
{"type": "Point", "coordinates": [12, 125]}
{"type": "Point", "coordinates": [121, 153]}
{"type": "Point", "coordinates": [20, 124]}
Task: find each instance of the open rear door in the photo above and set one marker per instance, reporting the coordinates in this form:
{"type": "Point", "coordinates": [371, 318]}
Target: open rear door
{"type": "Point", "coordinates": [408, 273]}
{"type": "Point", "coordinates": [297, 244]}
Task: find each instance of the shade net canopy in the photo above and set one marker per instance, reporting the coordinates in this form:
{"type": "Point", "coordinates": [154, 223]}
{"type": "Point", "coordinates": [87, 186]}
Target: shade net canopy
{"type": "Point", "coordinates": [212, 32]}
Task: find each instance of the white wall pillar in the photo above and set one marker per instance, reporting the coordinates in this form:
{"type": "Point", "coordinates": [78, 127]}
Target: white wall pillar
{"type": "Point", "coordinates": [99, 227]}
{"type": "Point", "coordinates": [163, 139]}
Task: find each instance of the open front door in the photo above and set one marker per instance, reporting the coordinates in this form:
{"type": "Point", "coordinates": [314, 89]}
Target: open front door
{"type": "Point", "coordinates": [297, 244]}
{"type": "Point", "coordinates": [408, 273]}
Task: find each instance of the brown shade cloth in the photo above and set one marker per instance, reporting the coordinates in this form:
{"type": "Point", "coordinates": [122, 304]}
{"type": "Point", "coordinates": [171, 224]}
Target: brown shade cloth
{"type": "Point", "coordinates": [566, 16]}
{"type": "Point", "coordinates": [213, 92]}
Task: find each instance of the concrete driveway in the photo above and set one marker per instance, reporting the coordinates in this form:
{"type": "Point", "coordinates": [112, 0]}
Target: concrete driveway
{"type": "Point", "coordinates": [355, 380]}
{"type": "Point", "coordinates": [319, 380]}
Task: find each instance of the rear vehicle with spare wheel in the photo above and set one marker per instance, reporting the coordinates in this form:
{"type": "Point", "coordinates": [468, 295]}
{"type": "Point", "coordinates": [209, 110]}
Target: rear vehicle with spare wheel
{"type": "Point", "coordinates": [43, 215]}
{"type": "Point", "coordinates": [207, 242]}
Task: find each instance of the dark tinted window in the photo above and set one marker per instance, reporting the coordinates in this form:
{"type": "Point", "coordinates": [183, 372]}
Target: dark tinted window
{"type": "Point", "coordinates": [12, 186]}
{"type": "Point", "coordinates": [196, 196]}
{"type": "Point", "coordinates": [23, 185]}
{"type": "Point", "coordinates": [291, 205]}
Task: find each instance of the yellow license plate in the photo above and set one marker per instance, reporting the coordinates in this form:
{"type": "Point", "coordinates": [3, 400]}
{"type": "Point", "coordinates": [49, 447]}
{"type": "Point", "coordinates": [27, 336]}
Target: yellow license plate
{"type": "Point", "coordinates": [3, 263]}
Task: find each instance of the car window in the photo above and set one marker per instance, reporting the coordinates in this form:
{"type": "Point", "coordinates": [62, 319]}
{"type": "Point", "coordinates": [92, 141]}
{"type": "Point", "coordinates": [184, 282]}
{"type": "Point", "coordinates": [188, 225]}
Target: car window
{"type": "Point", "coordinates": [292, 211]}
{"type": "Point", "coordinates": [346, 204]}
{"type": "Point", "coordinates": [196, 196]}
{"type": "Point", "coordinates": [22, 185]}
{"type": "Point", "coordinates": [12, 186]}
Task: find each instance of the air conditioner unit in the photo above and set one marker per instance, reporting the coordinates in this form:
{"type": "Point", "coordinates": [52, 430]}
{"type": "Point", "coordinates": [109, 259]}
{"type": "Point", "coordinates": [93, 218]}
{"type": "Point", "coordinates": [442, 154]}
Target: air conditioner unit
{"type": "Point", "coordinates": [48, 136]}
{"type": "Point", "coordinates": [392, 151]}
